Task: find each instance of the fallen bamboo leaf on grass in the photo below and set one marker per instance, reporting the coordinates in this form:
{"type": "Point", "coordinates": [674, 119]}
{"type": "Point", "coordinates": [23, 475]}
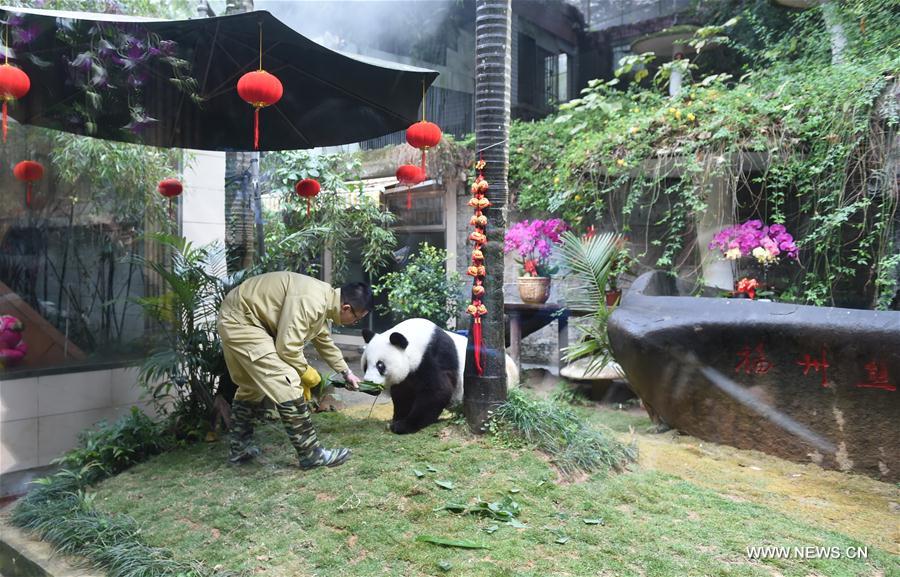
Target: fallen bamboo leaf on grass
{"type": "Point", "coordinates": [464, 544]}
{"type": "Point", "coordinates": [444, 484]}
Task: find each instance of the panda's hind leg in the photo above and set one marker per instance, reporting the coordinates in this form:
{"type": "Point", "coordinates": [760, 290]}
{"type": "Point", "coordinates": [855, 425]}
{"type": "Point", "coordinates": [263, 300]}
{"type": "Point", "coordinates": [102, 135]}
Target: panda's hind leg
{"type": "Point", "coordinates": [430, 400]}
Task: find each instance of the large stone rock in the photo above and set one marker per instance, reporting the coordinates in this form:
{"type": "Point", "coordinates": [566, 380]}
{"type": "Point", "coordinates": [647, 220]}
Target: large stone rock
{"type": "Point", "coordinates": [804, 383]}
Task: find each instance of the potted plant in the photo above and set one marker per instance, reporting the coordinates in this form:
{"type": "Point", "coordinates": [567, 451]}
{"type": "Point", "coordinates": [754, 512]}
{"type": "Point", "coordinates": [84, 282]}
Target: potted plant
{"type": "Point", "coordinates": [621, 264]}
{"type": "Point", "coordinates": [533, 241]}
{"type": "Point", "coordinates": [766, 244]}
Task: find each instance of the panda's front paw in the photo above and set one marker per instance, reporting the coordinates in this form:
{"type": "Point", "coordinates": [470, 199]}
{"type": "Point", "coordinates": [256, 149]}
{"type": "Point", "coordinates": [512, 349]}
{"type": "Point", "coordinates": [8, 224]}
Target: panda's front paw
{"type": "Point", "coordinates": [401, 428]}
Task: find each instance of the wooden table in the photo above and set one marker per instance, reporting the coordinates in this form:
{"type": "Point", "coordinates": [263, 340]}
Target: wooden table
{"type": "Point", "coordinates": [524, 319]}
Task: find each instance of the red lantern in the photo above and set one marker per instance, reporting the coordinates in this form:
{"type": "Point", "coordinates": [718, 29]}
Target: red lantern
{"type": "Point", "coordinates": [307, 188]}
{"type": "Point", "coordinates": [170, 188]}
{"type": "Point", "coordinates": [410, 175]}
{"type": "Point", "coordinates": [423, 135]}
{"type": "Point", "coordinates": [28, 171]}
{"type": "Point", "coordinates": [259, 89]}
{"type": "Point", "coordinates": [14, 84]}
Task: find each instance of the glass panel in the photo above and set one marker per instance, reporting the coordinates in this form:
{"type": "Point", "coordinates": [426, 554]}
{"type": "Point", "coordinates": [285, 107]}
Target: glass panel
{"type": "Point", "coordinates": [68, 271]}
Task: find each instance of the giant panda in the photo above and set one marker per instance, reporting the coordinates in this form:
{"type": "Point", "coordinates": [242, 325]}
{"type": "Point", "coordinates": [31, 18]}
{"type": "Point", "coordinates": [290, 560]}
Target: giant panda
{"type": "Point", "coordinates": [421, 365]}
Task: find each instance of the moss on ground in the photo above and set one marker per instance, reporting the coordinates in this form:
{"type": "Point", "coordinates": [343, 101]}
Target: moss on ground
{"type": "Point", "coordinates": [683, 511]}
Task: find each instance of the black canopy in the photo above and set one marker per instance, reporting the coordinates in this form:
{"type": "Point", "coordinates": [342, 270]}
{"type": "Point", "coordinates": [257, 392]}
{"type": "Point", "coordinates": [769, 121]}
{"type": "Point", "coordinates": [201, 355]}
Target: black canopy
{"type": "Point", "coordinates": [172, 83]}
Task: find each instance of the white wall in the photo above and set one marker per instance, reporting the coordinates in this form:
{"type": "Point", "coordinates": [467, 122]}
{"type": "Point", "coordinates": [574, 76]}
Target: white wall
{"type": "Point", "coordinates": [40, 417]}
{"type": "Point", "coordinates": [203, 200]}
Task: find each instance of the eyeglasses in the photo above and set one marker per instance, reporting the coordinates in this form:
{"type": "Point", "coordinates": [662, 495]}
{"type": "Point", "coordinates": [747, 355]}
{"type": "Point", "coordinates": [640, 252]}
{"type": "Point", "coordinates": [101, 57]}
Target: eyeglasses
{"type": "Point", "coordinates": [356, 317]}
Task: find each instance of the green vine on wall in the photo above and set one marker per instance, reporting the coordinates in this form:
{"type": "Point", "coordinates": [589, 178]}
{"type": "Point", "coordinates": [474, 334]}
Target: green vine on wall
{"type": "Point", "coordinates": [802, 141]}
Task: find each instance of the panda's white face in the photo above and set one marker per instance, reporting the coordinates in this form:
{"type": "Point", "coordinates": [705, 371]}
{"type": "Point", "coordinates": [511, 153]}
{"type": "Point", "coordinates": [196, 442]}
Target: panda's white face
{"type": "Point", "coordinates": [391, 356]}
{"type": "Point", "coordinates": [384, 363]}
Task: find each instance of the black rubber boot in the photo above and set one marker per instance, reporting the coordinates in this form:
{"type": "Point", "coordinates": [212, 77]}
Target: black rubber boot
{"type": "Point", "coordinates": [295, 416]}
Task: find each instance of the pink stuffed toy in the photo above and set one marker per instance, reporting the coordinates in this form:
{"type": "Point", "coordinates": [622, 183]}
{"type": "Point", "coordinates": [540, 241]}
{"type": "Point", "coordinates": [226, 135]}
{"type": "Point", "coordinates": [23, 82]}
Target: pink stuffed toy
{"type": "Point", "coordinates": [12, 347]}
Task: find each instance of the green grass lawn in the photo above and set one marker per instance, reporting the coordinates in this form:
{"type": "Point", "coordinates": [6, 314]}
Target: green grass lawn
{"type": "Point", "coordinates": [272, 519]}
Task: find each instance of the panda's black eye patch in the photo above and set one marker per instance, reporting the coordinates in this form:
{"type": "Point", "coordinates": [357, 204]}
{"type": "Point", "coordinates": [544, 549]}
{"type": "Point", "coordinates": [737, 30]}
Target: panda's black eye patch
{"type": "Point", "coordinates": [365, 366]}
{"type": "Point", "coordinates": [380, 366]}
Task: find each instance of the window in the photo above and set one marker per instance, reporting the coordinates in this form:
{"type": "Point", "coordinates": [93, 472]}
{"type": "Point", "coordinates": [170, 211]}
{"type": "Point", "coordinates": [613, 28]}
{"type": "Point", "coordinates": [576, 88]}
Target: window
{"type": "Point", "coordinates": [556, 78]}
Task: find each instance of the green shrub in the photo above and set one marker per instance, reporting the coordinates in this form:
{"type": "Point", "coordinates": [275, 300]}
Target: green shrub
{"type": "Point", "coordinates": [423, 288]}
{"type": "Point", "coordinates": [113, 448]}
{"type": "Point", "coordinates": [557, 431]}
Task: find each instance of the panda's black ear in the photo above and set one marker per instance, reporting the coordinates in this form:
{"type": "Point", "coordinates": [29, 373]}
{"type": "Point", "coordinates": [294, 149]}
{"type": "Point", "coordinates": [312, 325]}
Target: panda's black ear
{"type": "Point", "coordinates": [368, 334]}
{"type": "Point", "coordinates": [399, 341]}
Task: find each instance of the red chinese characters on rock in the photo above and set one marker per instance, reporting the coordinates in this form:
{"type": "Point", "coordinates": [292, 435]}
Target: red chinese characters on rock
{"type": "Point", "coordinates": [876, 377]}
{"type": "Point", "coordinates": [808, 362]}
{"type": "Point", "coordinates": [753, 361]}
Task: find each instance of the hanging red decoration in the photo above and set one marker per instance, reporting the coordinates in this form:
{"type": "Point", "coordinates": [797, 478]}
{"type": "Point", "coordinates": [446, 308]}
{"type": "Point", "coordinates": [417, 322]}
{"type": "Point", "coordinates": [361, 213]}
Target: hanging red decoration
{"type": "Point", "coordinates": [14, 84]}
{"type": "Point", "coordinates": [260, 89]}
{"type": "Point", "coordinates": [477, 270]}
{"type": "Point", "coordinates": [422, 135]}
{"type": "Point", "coordinates": [307, 188]}
{"type": "Point", "coordinates": [410, 175]}
{"type": "Point", "coordinates": [28, 171]}
{"type": "Point", "coordinates": [170, 188]}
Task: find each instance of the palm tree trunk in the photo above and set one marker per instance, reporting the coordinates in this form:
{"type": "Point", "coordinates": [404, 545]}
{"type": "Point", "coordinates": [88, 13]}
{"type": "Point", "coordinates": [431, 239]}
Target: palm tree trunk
{"type": "Point", "coordinates": [492, 111]}
{"type": "Point", "coordinates": [239, 217]}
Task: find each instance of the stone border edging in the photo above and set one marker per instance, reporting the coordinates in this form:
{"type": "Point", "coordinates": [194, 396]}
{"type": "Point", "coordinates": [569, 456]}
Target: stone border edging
{"type": "Point", "coordinates": [24, 556]}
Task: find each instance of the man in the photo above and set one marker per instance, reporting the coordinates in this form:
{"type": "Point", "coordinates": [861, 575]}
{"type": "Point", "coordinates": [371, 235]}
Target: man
{"type": "Point", "coordinates": [264, 324]}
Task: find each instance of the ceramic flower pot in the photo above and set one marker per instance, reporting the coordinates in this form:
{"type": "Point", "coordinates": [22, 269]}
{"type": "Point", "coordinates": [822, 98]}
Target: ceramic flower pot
{"type": "Point", "coordinates": [534, 289]}
{"type": "Point", "coordinates": [613, 296]}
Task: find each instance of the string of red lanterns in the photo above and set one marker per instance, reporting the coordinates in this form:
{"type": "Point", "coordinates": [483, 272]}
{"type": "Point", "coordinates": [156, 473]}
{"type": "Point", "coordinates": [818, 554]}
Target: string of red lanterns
{"type": "Point", "coordinates": [28, 171]}
{"type": "Point", "coordinates": [259, 89]}
{"type": "Point", "coordinates": [477, 269]}
{"type": "Point", "coordinates": [307, 188]}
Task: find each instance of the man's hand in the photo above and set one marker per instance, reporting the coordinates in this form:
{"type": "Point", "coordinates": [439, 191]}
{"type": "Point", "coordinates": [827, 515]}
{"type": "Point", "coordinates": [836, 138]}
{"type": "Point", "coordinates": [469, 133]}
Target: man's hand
{"type": "Point", "coordinates": [351, 380]}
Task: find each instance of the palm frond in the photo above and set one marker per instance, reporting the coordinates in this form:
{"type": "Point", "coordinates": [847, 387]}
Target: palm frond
{"type": "Point", "coordinates": [590, 262]}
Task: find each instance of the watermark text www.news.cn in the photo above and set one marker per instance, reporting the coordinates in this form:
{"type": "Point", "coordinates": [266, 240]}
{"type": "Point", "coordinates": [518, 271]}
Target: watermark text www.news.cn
{"type": "Point", "coordinates": [807, 552]}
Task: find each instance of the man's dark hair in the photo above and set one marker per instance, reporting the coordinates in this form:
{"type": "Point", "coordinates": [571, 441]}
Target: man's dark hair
{"type": "Point", "coordinates": [358, 295]}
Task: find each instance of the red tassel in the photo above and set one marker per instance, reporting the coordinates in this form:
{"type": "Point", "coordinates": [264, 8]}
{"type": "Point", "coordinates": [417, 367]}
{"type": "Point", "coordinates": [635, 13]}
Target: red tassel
{"type": "Point", "coordinates": [308, 200]}
{"type": "Point", "coordinates": [408, 198]}
{"type": "Point", "coordinates": [424, 172]}
{"type": "Point", "coordinates": [477, 338]}
{"type": "Point", "coordinates": [171, 216]}
{"type": "Point", "coordinates": [27, 187]}
{"type": "Point", "coordinates": [4, 121]}
{"type": "Point", "coordinates": [256, 129]}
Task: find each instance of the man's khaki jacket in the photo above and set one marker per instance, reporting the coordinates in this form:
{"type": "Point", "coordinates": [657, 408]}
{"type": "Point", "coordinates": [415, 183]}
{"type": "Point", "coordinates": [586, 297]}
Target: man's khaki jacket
{"type": "Point", "coordinates": [291, 309]}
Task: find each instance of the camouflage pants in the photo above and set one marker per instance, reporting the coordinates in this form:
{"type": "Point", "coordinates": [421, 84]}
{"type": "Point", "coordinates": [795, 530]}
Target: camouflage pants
{"type": "Point", "coordinates": [294, 415]}
{"type": "Point", "coordinates": [298, 425]}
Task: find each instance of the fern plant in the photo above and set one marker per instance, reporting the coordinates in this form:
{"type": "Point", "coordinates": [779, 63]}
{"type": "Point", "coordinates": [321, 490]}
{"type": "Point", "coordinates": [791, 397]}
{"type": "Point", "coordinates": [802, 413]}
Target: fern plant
{"type": "Point", "coordinates": [590, 262]}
